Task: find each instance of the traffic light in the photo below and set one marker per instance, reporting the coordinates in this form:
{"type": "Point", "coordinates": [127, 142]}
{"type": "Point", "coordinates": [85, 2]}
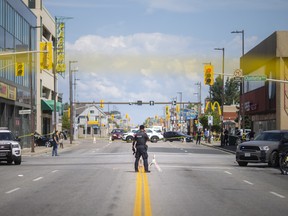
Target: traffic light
{"type": "Point", "coordinates": [19, 69]}
{"type": "Point", "coordinates": [112, 117]}
{"type": "Point", "coordinates": [167, 110]}
{"type": "Point", "coordinates": [174, 102]}
{"type": "Point", "coordinates": [178, 108]}
{"type": "Point", "coordinates": [151, 103]}
{"type": "Point", "coordinates": [208, 75]}
{"type": "Point", "coordinates": [101, 103]}
{"type": "Point", "coordinates": [46, 55]}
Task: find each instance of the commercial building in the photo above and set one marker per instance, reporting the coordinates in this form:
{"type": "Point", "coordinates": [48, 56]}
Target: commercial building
{"type": "Point", "coordinates": [26, 92]}
{"type": "Point", "coordinates": [47, 87]}
{"type": "Point", "coordinates": [266, 101]}
{"type": "Point", "coordinates": [17, 90]}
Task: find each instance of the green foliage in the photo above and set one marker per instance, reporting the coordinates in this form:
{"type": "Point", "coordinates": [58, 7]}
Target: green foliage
{"type": "Point", "coordinates": [65, 121]}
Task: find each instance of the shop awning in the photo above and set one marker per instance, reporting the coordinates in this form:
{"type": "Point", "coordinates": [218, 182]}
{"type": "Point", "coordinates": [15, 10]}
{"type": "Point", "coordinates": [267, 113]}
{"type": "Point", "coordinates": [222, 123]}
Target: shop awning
{"type": "Point", "coordinates": [48, 105]}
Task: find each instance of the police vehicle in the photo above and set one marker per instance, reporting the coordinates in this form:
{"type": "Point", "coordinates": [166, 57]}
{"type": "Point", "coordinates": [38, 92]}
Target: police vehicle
{"type": "Point", "coordinates": [10, 149]}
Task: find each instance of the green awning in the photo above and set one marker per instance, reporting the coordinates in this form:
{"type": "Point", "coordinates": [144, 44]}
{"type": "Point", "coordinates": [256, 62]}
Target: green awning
{"type": "Point", "coordinates": [48, 105]}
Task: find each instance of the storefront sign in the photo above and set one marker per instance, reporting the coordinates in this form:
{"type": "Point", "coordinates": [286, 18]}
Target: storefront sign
{"type": "Point", "coordinates": [60, 55]}
{"type": "Point", "coordinates": [7, 91]}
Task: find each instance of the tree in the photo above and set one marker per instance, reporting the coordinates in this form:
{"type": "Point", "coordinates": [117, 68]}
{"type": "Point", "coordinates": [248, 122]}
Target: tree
{"type": "Point", "coordinates": [231, 91]}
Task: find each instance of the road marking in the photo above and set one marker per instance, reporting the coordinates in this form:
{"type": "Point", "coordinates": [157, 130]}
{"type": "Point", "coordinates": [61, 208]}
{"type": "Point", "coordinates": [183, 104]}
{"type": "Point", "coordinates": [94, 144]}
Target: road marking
{"type": "Point", "coordinates": [248, 182]}
{"type": "Point", "coordinates": [138, 197]}
{"type": "Point", "coordinates": [147, 203]}
{"type": "Point", "coordinates": [228, 172]}
{"type": "Point", "coordinates": [54, 171]}
{"type": "Point", "coordinates": [20, 175]}
{"type": "Point", "coordinates": [278, 195]}
{"type": "Point", "coordinates": [11, 191]}
{"type": "Point", "coordinates": [37, 179]}
{"type": "Point", "coordinates": [142, 186]}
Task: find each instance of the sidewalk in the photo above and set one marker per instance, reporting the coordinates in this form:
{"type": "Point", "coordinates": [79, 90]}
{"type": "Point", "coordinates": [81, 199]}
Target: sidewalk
{"type": "Point", "coordinates": [216, 144]}
{"type": "Point", "coordinates": [44, 150]}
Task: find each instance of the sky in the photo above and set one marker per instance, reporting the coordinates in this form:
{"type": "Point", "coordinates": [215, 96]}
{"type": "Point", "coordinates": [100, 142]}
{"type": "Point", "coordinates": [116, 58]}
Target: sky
{"type": "Point", "coordinates": [155, 50]}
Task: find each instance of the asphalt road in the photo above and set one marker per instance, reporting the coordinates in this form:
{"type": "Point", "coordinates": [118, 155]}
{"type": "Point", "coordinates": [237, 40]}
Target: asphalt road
{"type": "Point", "coordinates": [99, 179]}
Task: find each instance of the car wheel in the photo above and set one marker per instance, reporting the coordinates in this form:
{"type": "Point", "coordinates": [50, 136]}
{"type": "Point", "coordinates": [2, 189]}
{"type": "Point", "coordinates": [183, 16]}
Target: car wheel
{"type": "Point", "coordinates": [129, 139]}
{"type": "Point", "coordinates": [17, 161]}
{"type": "Point", "coordinates": [273, 160]}
{"type": "Point", "coordinates": [154, 139]}
{"type": "Point", "coordinates": [47, 144]}
{"type": "Point", "coordinates": [242, 164]}
{"type": "Point", "coordinates": [9, 161]}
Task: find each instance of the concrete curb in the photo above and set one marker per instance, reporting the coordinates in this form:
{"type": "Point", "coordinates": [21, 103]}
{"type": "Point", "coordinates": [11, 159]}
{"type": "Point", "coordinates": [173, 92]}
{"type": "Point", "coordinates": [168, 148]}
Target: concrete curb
{"type": "Point", "coordinates": [38, 150]}
{"type": "Point", "coordinates": [219, 147]}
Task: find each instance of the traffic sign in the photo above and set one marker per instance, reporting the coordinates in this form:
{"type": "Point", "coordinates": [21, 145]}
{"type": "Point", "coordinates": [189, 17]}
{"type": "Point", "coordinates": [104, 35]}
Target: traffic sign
{"type": "Point", "coordinates": [255, 78]}
{"type": "Point", "coordinates": [24, 112]}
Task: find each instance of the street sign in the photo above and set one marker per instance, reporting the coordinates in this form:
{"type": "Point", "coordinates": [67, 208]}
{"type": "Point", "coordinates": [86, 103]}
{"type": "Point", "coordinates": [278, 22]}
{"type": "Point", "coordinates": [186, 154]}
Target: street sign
{"type": "Point", "coordinates": [24, 112]}
{"type": "Point", "coordinates": [255, 78]}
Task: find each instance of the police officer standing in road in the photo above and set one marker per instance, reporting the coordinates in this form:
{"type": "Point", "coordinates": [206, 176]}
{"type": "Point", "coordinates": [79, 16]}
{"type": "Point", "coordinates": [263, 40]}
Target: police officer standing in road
{"type": "Point", "coordinates": [139, 143]}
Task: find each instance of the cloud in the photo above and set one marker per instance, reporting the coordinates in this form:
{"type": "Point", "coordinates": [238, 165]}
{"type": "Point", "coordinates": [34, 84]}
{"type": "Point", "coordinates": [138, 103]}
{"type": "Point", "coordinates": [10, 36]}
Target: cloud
{"type": "Point", "coordinates": [187, 6]}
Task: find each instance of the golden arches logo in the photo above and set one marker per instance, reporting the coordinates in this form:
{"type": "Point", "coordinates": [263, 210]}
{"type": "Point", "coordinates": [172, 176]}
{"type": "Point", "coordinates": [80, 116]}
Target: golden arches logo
{"type": "Point", "coordinates": [213, 105]}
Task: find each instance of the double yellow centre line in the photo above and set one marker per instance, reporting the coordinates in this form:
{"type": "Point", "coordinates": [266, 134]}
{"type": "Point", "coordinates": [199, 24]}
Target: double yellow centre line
{"type": "Point", "coordinates": [142, 191]}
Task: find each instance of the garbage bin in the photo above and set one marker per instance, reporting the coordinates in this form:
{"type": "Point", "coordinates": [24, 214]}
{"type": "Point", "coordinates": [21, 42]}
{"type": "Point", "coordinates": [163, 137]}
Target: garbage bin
{"type": "Point", "coordinates": [233, 140]}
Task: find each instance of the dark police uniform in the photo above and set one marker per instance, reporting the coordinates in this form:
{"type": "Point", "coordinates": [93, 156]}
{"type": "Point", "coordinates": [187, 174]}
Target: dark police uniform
{"type": "Point", "coordinates": [140, 139]}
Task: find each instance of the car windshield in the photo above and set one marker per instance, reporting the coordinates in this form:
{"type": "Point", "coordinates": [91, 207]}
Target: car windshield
{"type": "Point", "coordinates": [6, 136]}
{"type": "Point", "coordinates": [269, 137]}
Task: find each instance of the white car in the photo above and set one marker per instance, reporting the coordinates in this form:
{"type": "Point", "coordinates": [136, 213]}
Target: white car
{"type": "Point", "coordinates": [10, 149]}
{"type": "Point", "coordinates": [152, 134]}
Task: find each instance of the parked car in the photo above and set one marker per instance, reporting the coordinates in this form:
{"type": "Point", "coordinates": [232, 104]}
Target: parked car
{"type": "Point", "coordinates": [10, 149]}
{"type": "Point", "coordinates": [42, 140]}
{"type": "Point", "coordinates": [152, 134]}
{"type": "Point", "coordinates": [129, 136]}
{"type": "Point", "coordinates": [263, 149]}
{"type": "Point", "coordinates": [177, 136]}
{"type": "Point", "coordinates": [117, 134]}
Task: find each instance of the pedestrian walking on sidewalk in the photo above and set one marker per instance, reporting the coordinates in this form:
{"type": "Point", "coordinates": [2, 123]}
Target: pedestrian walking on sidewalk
{"type": "Point", "coordinates": [139, 148]}
{"type": "Point", "coordinates": [61, 139]}
{"type": "Point", "coordinates": [198, 137]}
{"type": "Point", "coordinates": [55, 143]}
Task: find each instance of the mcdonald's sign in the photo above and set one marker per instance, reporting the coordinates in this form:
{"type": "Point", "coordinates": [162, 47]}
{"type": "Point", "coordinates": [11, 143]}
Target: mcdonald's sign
{"type": "Point", "coordinates": [213, 105]}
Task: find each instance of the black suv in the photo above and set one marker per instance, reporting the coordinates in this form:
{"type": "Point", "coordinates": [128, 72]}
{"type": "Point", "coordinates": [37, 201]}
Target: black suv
{"type": "Point", "coordinates": [10, 149]}
{"type": "Point", "coordinates": [177, 136]}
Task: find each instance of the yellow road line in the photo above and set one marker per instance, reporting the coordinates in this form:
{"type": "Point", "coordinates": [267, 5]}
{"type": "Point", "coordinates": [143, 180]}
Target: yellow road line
{"type": "Point", "coordinates": [147, 203]}
{"type": "Point", "coordinates": [138, 197]}
{"type": "Point", "coordinates": [142, 183]}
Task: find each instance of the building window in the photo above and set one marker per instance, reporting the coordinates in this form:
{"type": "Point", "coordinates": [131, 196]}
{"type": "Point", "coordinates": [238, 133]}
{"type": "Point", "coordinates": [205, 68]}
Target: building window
{"type": "Point", "coordinates": [31, 4]}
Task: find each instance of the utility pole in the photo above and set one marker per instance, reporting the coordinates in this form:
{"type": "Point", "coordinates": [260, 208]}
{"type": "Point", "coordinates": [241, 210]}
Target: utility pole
{"type": "Point", "coordinates": [72, 110]}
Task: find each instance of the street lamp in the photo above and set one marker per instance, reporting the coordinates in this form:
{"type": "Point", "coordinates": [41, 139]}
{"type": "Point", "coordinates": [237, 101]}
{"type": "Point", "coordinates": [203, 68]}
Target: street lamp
{"type": "Point", "coordinates": [71, 101]}
{"type": "Point", "coordinates": [223, 89]}
{"type": "Point", "coordinates": [241, 109]}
